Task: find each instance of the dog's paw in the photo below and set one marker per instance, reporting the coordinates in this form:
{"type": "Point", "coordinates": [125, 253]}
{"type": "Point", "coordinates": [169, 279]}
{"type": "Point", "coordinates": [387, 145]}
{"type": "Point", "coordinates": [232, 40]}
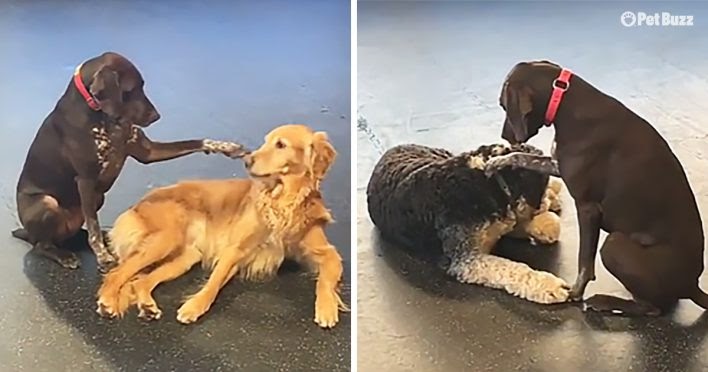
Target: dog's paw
{"type": "Point", "coordinates": [109, 307]}
{"type": "Point", "coordinates": [497, 163]}
{"type": "Point", "coordinates": [545, 228]}
{"type": "Point", "coordinates": [69, 260]}
{"type": "Point", "coordinates": [546, 288]}
{"type": "Point", "coordinates": [149, 311]}
{"type": "Point", "coordinates": [106, 261]}
{"type": "Point", "coordinates": [230, 149]}
{"type": "Point", "coordinates": [552, 197]}
{"type": "Point", "coordinates": [191, 311]}
{"type": "Point", "coordinates": [326, 310]}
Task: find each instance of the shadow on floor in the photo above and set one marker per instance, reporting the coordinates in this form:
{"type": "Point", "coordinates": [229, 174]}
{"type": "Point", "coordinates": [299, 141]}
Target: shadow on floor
{"type": "Point", "coordinates": [231, 336]}
{"type": "Point", "coordinates": [656, 344]}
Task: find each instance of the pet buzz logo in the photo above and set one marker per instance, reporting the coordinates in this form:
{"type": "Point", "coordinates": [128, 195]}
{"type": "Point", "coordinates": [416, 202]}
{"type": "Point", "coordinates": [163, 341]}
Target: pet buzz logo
{"type": "Point", "coordinates": [666, 19]}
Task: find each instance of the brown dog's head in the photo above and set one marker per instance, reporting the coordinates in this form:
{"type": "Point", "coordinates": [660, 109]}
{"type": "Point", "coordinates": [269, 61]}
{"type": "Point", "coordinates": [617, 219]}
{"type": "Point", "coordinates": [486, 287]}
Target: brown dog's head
{"type": "Point", "coordinates": [524, 97]}
{"type": "Point", "coordinates": [292, 150]}
{"type": "Point", "coordinates": [118, 87]}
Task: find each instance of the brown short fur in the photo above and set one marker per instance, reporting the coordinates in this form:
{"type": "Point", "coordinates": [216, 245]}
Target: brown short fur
{"type": "Point", "coordinates": [243, 227]}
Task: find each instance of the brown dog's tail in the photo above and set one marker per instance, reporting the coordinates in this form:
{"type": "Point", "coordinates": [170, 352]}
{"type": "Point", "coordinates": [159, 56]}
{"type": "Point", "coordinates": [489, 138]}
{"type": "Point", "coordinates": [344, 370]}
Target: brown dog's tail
{"type": "Point", "coordinates": [700, 298]}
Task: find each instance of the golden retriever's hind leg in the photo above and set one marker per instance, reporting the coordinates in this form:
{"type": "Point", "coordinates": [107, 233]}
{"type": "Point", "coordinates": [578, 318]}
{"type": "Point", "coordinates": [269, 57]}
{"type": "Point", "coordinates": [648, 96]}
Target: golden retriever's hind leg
{"type": "Point", "coordinates": [126, 295]}
{"type": "Point", "coordinates": [170, 270]}
{"type": "Point", "coordinates": [155, 248]}
{"type": "Point", "coordinates": [324, 256]}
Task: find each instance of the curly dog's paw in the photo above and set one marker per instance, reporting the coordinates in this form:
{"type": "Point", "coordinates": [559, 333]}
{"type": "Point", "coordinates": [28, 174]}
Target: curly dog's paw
{"type": "Point", "coordinates": [555, 185]}
{"type": "Point", "coordinates": [553, 195]}
{"type": "Point", "coordinates": [546, 288]}
{"type": "Point", "coordinates": [544, 228]}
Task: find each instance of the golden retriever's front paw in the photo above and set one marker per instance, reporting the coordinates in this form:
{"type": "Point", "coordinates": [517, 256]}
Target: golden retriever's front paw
{"type": "Point", "coordinates": [326, 310]}
{"type": "Point", "coordinates": [191, 310]}
{"type": "Point", "coordinates": [110, 307]}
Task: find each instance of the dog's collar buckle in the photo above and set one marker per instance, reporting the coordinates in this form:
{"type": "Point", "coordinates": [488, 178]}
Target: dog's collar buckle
{"type": "Point", "coordinates": [560, 86]}
{"type": "Point", "coordinates": [79, 84]}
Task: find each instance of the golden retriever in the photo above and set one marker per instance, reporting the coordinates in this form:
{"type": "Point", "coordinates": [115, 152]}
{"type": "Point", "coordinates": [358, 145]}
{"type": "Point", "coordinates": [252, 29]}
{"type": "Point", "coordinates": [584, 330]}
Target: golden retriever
{"type": "Point", "coordinates": [240, 226]}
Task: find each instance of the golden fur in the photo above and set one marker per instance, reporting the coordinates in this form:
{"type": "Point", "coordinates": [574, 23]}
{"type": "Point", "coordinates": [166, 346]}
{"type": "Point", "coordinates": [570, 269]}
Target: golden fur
{"type": "Point", "coordinates": [541, 225]}
{"type": "Point", "coordinates": [233, 227]}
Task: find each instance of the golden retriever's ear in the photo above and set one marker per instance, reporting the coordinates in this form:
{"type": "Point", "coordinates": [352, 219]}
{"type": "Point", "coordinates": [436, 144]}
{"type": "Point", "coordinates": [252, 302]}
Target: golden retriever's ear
{"type": "Point", "coordinates": [323, 155]}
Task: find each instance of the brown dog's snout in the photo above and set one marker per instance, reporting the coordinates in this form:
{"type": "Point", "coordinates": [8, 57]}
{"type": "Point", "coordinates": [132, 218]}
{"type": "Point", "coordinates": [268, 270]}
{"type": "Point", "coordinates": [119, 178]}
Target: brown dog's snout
{"type": "Point", "coordinates": [151, 113]}
{"type": "Point", "coordinates": [508, 133]}
{"type": "Point", "coordinates": [153, 116]}
{"type": "Point", "coordinates": [148, 112]}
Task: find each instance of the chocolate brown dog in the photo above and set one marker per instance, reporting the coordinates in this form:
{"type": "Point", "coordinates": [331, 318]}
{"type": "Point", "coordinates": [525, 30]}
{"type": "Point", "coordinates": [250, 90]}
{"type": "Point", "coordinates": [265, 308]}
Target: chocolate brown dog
{"type": "Point", "coordinates": [625, 180]}
{"type": "Point", "coordinates": [79, 151]}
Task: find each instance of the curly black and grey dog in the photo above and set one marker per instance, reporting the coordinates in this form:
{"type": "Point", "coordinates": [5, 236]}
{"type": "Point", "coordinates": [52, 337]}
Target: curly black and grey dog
{"type": "Point", "coordinates": [427, 199]}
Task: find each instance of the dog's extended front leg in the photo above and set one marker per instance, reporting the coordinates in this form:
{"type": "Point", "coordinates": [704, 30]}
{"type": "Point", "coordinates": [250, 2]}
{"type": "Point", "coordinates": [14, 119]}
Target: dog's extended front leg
{"type": "Point", "coordinates": [467, 248]}
{"type": "Point", "coordinates": [89, 206]}
{"type": "Point", "coordinates": [328, 262]}
{"type": "Point", "coordinates": [516, 278]}
{"type": "Point", "coordinates": [516, 160]}
{"type": "Point", "coordinates": [225, 269]}
{"type": "Point", "coordinates": [589, 219]}
{"type": "Point", "coordinates": [144, 150]}
{"type": "Point", "coordinates": [198, 304]}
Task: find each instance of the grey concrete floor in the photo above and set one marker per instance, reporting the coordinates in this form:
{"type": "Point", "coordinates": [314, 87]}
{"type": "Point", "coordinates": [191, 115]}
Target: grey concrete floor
{"type": "Point", "coordinates": [225, 70]}
{"type": "Point", "coordinates": [431, 73]}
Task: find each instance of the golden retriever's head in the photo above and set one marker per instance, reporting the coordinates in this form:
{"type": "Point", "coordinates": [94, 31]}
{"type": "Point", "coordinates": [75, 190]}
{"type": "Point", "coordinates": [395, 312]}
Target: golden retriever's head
{"type": "Point", "coordinates": [292, 150]}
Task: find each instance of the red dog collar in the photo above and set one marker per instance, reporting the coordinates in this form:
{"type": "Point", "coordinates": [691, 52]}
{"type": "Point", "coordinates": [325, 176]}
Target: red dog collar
{"type": "Point", "coordinates": [90, 101]}
{"type": "Point", "coordinates": [560, 85]}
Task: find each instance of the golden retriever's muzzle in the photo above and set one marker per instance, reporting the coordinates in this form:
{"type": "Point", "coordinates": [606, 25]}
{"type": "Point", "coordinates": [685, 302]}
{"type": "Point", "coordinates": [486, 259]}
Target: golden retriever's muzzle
{"type": "Point", "coordinates": [249, 161]}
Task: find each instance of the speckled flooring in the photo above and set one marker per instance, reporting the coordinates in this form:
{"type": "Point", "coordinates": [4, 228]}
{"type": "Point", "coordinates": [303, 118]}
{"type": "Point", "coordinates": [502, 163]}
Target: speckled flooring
{"type": "Point", "coordinates": [431, 74]}
{"type": "Point", "coordinates": [226, 70]}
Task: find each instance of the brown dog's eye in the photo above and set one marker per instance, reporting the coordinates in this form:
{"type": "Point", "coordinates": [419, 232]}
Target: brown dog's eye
{"type": "Point", "coordinates": [279, 145]}
{"type": "Point", "coordinates": [126, 96]}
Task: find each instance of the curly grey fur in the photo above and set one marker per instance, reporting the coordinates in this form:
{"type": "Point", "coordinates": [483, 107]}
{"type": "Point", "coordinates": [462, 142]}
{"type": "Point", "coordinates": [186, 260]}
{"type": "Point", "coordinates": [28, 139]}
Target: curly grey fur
{"type": "Point", "coordinates": [429, 200]}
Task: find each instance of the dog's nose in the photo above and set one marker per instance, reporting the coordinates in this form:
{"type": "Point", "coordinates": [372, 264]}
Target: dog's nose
{"type": "Point", "coordinates": [153, 117]}
{"type": "Point", "coordinates": [248, 161]}
{"type": "Point", "coordinates": [508, 133]}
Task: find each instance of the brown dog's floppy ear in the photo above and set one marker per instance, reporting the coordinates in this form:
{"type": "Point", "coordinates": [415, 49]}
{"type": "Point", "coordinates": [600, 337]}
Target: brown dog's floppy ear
{"type": "Point", "coordinates": [323, 155]}
{"type": "Point", "coordinates": [518, 105]}
{"type": "Point", "coordinates": [106, 89]}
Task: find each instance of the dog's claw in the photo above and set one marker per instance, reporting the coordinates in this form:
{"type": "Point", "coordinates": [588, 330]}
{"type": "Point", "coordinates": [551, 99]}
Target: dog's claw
{"type": "Point", "coordinates": [106, 264]}
{"type": "Point", "coordinates": [326, 312]}
{"type": "Point", "coordinates": [69, 261]}
{"type": "Point", "coordinates": [149, 312]}
{"type": "Point", "coordinates": [104, 310]}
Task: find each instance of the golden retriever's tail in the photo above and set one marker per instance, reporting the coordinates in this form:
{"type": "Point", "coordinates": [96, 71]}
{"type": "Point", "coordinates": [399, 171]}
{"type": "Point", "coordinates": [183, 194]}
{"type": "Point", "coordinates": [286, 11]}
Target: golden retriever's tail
{"type": "Point", "coordinates": [128, 232]}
